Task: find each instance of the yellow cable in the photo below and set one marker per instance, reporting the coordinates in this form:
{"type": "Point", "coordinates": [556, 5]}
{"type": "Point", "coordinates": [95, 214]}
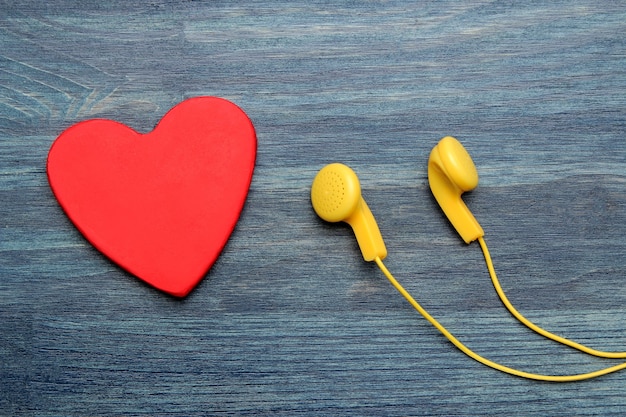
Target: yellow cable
{"type": "Point", "coordinates": [475, 356]}
{"type": "Point", "coordinates": [532, 326]}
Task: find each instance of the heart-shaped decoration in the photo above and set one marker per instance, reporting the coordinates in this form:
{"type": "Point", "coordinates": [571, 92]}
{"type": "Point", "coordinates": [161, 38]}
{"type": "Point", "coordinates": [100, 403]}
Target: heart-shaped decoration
{"type": "Point", "coordinates": [162, 205]}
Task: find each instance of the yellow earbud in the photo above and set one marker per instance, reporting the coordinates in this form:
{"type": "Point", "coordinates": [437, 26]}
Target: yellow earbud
{"type": "Point", "coordinates": [336, 196]}
{"type": "Point", "coordinates": [451, 172]}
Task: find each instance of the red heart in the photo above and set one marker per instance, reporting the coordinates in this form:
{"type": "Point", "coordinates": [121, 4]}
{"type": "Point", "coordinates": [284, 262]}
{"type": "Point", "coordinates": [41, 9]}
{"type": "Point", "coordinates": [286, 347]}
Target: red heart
{"type": "Point", "coordinates": [162, 205]}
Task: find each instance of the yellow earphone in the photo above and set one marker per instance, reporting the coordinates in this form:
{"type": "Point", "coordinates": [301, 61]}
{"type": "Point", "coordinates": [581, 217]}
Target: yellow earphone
{"type": "Point", "coordinates": [451, 172]}
{"type": "Point", "coordinates": [336, 196]}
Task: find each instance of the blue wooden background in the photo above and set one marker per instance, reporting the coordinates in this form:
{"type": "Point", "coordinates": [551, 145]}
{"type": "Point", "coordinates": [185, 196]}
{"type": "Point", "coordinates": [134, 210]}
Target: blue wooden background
{"type": "Point", "coordinates": [290, 320]}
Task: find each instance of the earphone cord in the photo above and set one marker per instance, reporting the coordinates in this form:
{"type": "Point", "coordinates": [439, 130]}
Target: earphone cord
{"type": "Point", "coordinates": [532, 326]}
{"type": "Point", "coordinates": [477, 357]}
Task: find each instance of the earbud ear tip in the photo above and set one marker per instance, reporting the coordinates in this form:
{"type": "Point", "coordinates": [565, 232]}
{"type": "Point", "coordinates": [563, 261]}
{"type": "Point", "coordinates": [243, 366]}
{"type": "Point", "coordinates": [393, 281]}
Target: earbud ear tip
{"type": "Point", "coordinates": [458, 163]}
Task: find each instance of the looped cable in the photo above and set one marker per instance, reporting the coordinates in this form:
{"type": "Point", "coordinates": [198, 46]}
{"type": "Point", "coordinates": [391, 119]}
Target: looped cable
{"type": "Point", "coordinates": [484, 361]}
{"type": "Point", "coordinates": [531, 325]}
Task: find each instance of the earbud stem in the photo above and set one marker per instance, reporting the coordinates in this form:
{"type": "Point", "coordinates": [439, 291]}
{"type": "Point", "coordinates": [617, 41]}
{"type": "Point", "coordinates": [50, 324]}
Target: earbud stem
{"type": "Point", "coordinates": [367, 232]}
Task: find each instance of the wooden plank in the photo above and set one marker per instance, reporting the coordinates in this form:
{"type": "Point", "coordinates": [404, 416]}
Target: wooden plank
{"type": "Point", "coordinates": [290, 320]}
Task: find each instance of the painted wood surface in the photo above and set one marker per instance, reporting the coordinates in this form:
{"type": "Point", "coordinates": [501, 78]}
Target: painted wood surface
{"type": "Point", "coordinates": [290, 320]}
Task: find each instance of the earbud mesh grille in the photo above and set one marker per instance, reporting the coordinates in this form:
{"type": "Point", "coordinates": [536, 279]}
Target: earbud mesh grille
{"type": "Point", "coordinates": [329, 192]}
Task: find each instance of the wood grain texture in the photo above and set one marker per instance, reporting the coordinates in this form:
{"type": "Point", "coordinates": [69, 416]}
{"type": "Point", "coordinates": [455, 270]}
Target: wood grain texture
{"type": "Point", "coordinates": [290, 320]}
